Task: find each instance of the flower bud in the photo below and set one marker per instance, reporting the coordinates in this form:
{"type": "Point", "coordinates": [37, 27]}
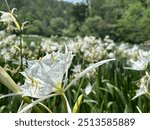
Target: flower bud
{"type": "Point", "coordinates": [8, 81]}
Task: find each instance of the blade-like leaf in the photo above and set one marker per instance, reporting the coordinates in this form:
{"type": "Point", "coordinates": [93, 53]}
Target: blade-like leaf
{"type": "Point", "coordinates": [86, 71]}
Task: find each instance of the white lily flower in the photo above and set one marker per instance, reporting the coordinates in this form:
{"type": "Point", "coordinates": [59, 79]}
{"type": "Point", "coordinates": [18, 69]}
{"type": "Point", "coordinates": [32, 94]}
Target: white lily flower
{"type": "Point", "coordinates": [8, 18]}
{"type": "Point", "coordinates": [143, 86]}
{"type": "Point", "coordinates": [140, 64]}
{"type": "Point", "coordinates": [46, 75]}
{"type": "Point", "coordinates": [76, 70]}
{"type": "Point", "coordinates": [26, 88]}
{"type": "Point", "coordinates": [88, 89]}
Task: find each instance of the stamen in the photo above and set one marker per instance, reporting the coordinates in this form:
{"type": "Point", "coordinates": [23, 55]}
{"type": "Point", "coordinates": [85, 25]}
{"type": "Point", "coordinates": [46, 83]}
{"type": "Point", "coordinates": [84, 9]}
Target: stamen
{"type": "Point", "coordinates": [33, 82]}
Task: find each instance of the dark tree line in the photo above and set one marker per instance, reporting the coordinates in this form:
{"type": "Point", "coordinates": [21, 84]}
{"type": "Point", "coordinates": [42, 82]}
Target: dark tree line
{"type": "Point", "coordinates": [122, 20]}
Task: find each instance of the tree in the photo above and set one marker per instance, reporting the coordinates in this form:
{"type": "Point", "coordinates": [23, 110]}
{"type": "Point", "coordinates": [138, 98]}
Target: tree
{"type": "Point", "coordinates": [79, 12]}
{"type": "Point", "coordinates": [40, 14]}
{"type": "Point", "coordinates": [134, 26]}
{"type": "Point", "coordinates": [57, 25]}
{"type": "Point", "coordinates": [94, 26]}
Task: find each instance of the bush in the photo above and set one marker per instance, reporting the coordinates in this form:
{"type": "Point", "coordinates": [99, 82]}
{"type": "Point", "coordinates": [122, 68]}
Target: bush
{"type": "Point", "coordinates": [95, 26]}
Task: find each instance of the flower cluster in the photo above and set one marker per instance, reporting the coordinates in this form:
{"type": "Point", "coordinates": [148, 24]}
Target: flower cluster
{"type": "Point", "coordinates": [89, 49]}
{"type": "Point", "coordinates": [9, 19]}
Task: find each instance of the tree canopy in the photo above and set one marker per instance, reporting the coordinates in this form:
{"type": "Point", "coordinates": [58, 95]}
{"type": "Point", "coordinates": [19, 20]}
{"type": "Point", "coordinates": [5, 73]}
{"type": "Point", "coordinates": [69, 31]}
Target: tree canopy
{"type": "Point", "coordinates": [122, 20]}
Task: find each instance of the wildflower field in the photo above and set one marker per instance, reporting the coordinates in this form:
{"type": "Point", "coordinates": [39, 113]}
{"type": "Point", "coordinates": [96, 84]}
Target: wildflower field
{"type": "Point", "coordinates": [80, 74]}
{"type": "Point", "coordinates": [93, 75]}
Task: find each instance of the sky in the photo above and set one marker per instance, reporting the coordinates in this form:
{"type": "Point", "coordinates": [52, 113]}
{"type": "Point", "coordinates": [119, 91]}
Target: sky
{"type": "Point", "coordinates": [74, 1]}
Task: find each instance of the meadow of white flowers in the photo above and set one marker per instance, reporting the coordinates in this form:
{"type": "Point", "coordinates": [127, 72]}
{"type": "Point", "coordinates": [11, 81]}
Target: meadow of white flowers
{"type": "Point", "coordinates": [71, 68]}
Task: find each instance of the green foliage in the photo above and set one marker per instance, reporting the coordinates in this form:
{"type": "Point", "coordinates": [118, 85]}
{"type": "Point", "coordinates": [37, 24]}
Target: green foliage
{"type": "Point", "coordinates": [122, 20]}
{"type": "Point", "coordinates": [134, 26]}
{"type": "Point", "coordinates": [79, 12]}
{"type": "Point", "coordinates": [57, 25]}
{"type": "Point", "coordinates": [72, 30]}
{"type": "Point", "coordinates": [40, 14]}
{"type": "Point", "coordinates": [95, 26]}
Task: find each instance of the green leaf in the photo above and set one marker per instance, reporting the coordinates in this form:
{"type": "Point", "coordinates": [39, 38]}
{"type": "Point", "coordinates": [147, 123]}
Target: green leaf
{"type": "Point", "coordinates": [148, 85]}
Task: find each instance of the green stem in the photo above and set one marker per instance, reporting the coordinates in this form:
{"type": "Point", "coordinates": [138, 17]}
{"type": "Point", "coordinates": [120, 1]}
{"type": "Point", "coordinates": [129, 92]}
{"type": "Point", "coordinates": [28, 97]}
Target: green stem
{"type": "Point", "coordinates": [21, 56]}
{"type": "Point", "coordinates": [148, 93]}
{"type": "Point", "coordinates": [64, 98]}
{"type": "Point", "coordinates": [45, 107]}
{"type": "Point", "coordinates": [79, 88]}
{"type": "Point", "coordinates": [7, 6]}
{"type": "Point", "coordinates": [35, 108]}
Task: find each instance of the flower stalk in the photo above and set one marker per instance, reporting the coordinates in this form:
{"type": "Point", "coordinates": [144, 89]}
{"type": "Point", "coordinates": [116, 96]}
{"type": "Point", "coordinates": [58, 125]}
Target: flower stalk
{"type": "Point", "coordinates": [66, 103]}
{"type": "Point", "coordinates": [21, 55]}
